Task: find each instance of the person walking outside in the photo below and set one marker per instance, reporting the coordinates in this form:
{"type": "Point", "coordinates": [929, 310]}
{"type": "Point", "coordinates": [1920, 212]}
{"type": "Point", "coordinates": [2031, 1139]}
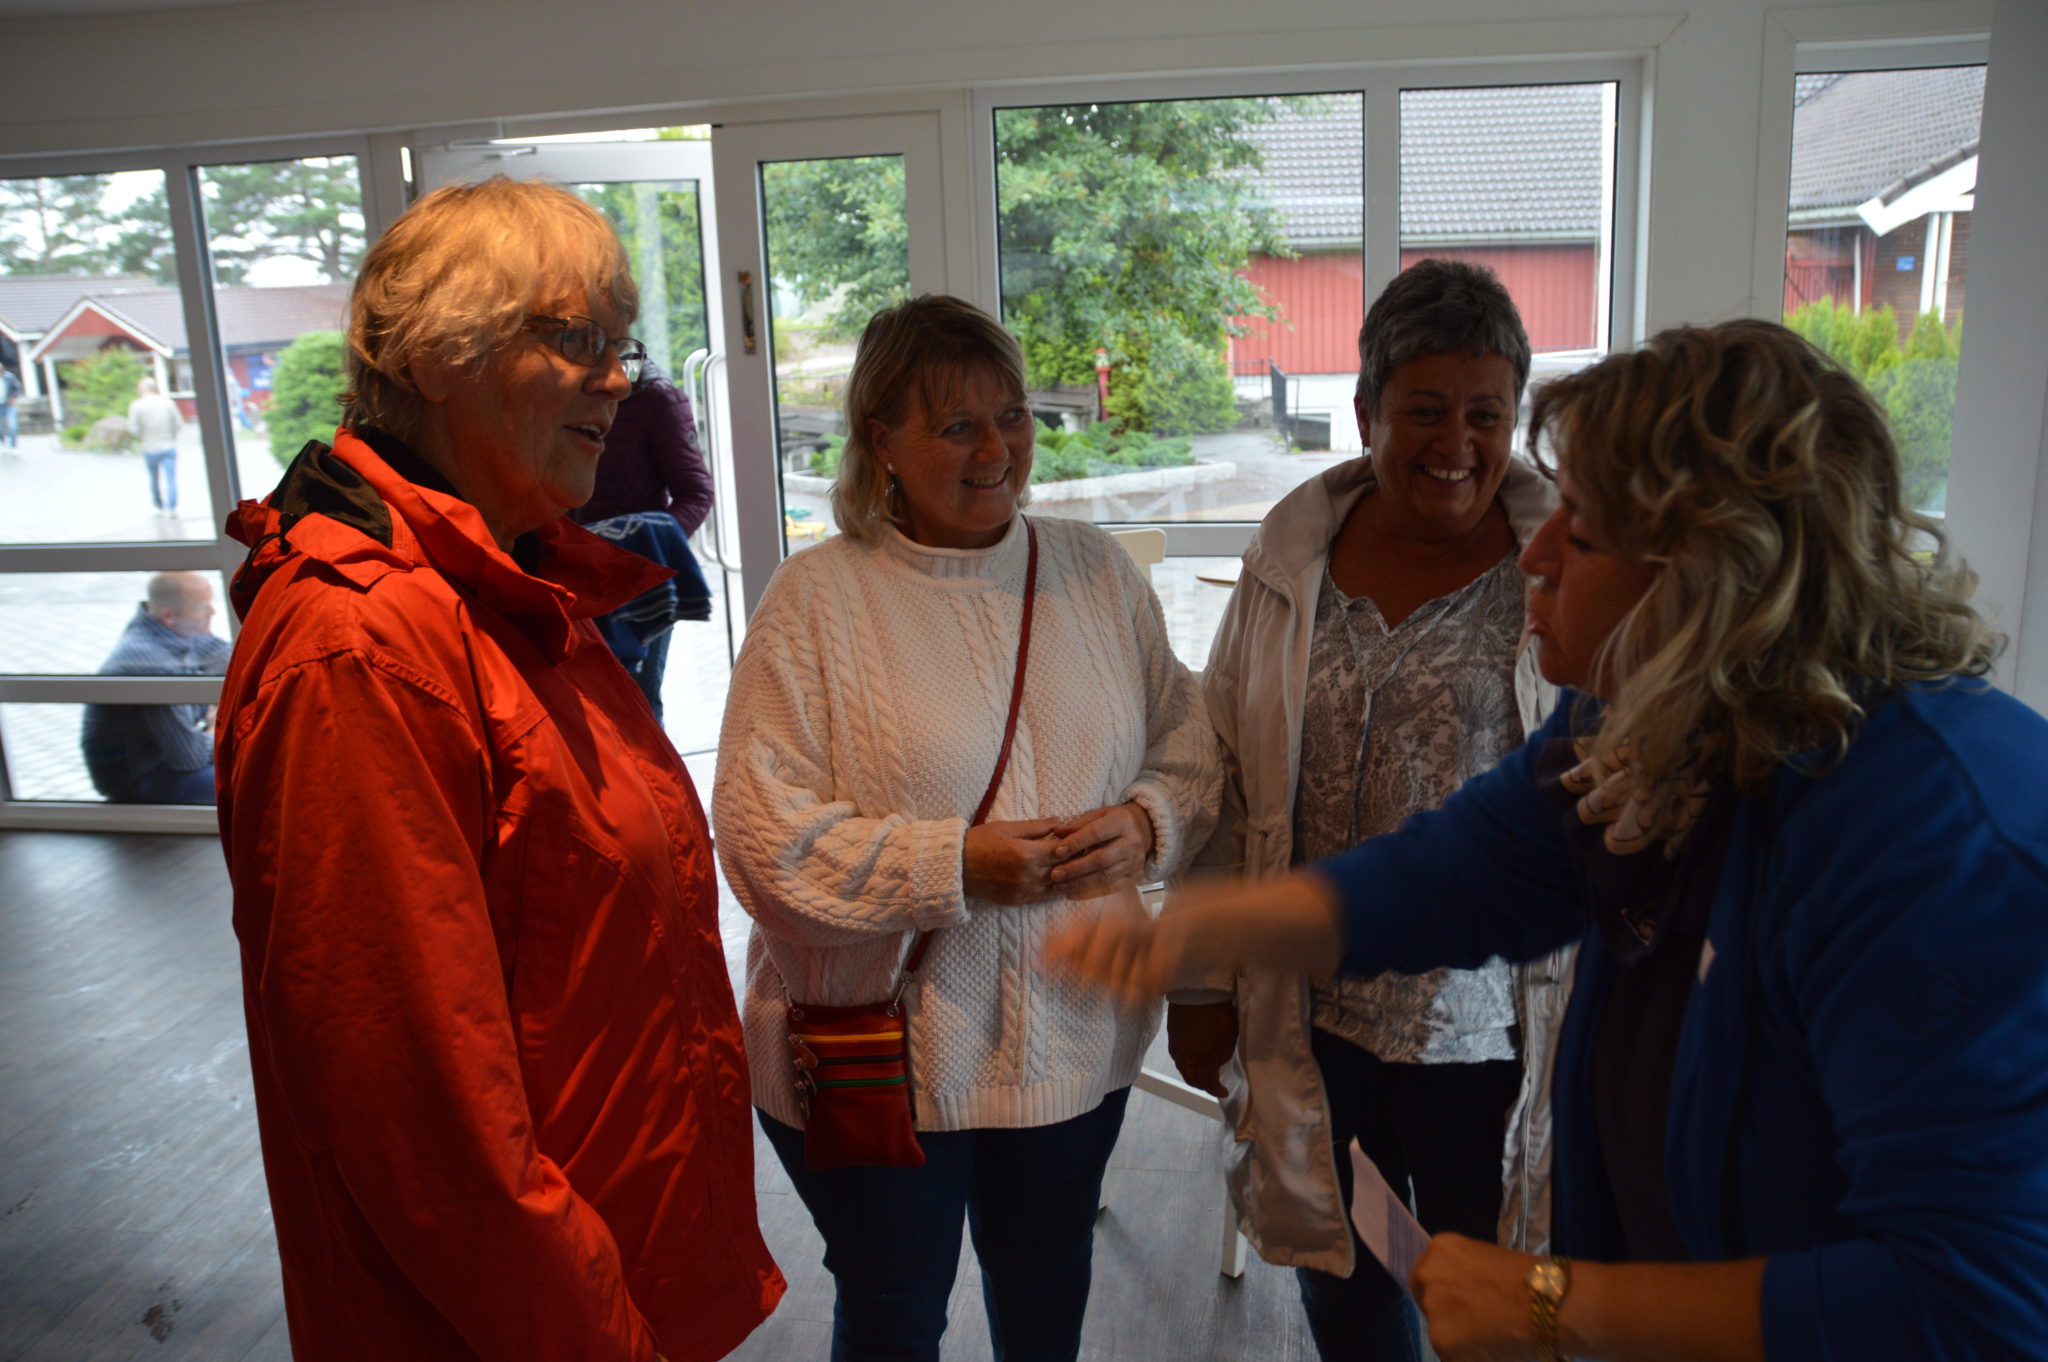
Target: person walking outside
{"type": "Point", "coordinates": [155, 420]}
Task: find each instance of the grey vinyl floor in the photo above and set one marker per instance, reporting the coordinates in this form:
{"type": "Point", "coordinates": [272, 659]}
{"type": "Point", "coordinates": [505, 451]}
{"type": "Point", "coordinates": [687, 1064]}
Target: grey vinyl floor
{"type": "Point", "coordinates": [133, 1219]}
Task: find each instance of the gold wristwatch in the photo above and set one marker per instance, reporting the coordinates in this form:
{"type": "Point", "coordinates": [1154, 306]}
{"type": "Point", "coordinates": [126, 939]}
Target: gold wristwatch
{"type": "Point", "coordinates": [1548, 1281]}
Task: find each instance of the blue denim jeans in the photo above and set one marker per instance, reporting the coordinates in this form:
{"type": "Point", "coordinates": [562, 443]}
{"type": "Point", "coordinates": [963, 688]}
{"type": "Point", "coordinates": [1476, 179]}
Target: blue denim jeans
{"type": "Point", "coordinates": [163, 477]}
{"type": "Point", "coordinates": [1436, 1131]}
{"type": "Point", "coordinates": [892, 1235]}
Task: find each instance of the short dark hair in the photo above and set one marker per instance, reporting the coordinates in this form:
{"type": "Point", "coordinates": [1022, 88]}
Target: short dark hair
{"type": "Point", "coordinates": [1439, 307]}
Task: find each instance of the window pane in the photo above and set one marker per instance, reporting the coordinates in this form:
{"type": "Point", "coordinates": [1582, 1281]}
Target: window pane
{"type": "Point", "coordinates": [1193, 592]}
{"type": "Point", "coordinates": [660, 224]}
{"type": "Point", "coordinates": [1164, 263]}
{"type": "Point", "coordinates": [1884, 178]}
{"type": "Point", "coordinates": [44, 747]}
{"type": "Point", "coordinates": [72, 623]}
{"type": "Point", "coordinates": [838, 251]}
{"type": "Point", "coordinates": [1520, 179]}
{"type": "Point", "coordinates": [286, 237]}
{"type": "Point", "coordinates": [89, 309]}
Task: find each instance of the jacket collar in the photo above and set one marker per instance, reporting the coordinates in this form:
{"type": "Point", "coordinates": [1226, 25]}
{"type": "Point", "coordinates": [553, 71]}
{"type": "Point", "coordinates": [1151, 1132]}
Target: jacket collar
{"type": "Point", "coordinates": [1295, 535]}
{"type": "Point", "coordinates": [351, 509]}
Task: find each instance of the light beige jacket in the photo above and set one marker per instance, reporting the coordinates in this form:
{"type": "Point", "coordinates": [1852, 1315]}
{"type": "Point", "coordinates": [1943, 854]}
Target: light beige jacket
{"type": "Point", "coordinates": [1282, 1179]}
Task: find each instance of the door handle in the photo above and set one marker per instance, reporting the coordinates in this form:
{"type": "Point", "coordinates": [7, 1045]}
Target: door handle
{"type": "Point", "coordinates": [747, 337]}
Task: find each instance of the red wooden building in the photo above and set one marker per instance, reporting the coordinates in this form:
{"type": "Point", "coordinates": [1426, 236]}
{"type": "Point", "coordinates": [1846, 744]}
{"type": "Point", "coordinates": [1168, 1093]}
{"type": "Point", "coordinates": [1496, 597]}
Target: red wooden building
{"type": "Point", "coordinates": [1511, 177]}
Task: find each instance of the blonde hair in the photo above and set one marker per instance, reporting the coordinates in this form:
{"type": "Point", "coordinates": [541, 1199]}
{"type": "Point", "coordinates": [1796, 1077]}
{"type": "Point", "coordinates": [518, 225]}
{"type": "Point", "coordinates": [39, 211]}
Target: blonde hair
{"type": "Point", "coordinates": [454, 278]}
{"type": "Point", "coordinates": [1763, 481]}
{"type": "Point", "coordinates": [928, 345]}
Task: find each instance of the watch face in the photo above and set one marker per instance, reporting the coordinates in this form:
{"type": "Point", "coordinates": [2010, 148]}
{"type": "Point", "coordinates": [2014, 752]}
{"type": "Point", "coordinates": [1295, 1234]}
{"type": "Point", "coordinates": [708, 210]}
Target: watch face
{"type": "Point", "coordinates": [1547, 1280]}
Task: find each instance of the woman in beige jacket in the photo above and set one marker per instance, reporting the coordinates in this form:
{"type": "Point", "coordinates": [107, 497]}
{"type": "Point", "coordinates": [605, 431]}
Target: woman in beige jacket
{"type": "Point", "coordinates": [1366, 666]}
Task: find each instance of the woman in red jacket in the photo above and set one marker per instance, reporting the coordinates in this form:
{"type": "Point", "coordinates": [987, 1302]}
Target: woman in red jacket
{"type": "Point", "coordinates": [497, 1065]}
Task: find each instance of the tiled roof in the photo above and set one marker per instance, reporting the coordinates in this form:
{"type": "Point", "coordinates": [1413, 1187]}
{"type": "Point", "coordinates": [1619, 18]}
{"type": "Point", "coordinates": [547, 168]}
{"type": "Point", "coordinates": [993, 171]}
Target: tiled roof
{"type": "Point", "coordinates": [1501, 162]}
{"type": "Point", "coordinates": [1856, 134]}
{"type": "Point", "coordinates": [249, 316]}
{"type": "Point", "coordinates": [1314, 170]}
{"type": "Point", "coordinates": [1498, 163]}
{"type": "Point", "coordinates": [31, 303]}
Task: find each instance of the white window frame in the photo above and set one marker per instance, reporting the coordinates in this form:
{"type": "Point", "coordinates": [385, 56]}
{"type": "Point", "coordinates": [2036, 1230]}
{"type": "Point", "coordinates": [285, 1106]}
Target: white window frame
{"type": "Point", "coordinates": [1382, 84]}
{"type": "Point", "coordinates": [377, 165]}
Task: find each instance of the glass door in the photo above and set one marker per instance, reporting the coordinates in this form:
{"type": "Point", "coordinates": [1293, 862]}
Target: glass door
{"type": "Point", "coordinates": [656, 188]}
{"type": "Point", "coordinates": [821, 222]}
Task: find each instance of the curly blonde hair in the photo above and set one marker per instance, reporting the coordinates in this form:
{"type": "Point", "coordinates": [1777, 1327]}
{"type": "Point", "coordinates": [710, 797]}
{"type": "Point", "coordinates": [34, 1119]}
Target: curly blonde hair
{"type": "Point", "coordinates": [1795, 586]}
{"type": "Point", "coordinates": [455, 276]}
{"type": "Point", "coordinates": [929, 346]}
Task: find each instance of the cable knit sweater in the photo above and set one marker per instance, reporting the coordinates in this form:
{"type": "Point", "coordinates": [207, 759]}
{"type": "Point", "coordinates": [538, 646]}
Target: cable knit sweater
{"type": "Point", "coordinates": [863, 723]}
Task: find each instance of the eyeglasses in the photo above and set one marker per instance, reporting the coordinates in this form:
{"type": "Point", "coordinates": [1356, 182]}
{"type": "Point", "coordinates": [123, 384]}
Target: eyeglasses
{"type": "Point", "coordinates": [582, 341]}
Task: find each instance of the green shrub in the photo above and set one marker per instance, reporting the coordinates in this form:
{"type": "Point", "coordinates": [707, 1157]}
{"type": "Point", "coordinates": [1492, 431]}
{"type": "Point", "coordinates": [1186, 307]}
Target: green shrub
{"type": "Point", "coordinates": [1103, 449]}
{"type": "Point", "coordinates": [1915, 383]}
{"type": "Point", "coordinates": [98, 386]}
{"type": "Point", "coordinates": [825, 460]}
{"type": "Point", "coordinates": [1176, 387]}
{"type": "Point", "coordinates": [305, 393]}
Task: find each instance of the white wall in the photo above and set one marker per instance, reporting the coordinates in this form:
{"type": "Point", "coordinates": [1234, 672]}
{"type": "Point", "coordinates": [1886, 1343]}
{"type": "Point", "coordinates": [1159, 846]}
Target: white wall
{"type": "Point", "coordinates": [1998, 502]}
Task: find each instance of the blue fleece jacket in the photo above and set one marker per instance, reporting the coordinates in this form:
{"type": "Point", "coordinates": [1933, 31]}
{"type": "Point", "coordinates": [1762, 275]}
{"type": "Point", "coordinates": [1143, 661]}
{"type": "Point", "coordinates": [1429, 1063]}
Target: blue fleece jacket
{"type": "Point", "coordinates": [1861, 1085]}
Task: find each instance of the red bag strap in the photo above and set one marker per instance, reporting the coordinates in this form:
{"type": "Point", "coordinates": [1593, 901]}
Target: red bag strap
{"type": "Point", "coordinates": [988, 798]}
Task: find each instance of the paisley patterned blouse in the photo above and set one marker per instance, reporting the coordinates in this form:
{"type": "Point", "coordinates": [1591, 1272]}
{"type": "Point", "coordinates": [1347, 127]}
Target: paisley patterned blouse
{"type": "Point", "coordinates": [1395, 720]}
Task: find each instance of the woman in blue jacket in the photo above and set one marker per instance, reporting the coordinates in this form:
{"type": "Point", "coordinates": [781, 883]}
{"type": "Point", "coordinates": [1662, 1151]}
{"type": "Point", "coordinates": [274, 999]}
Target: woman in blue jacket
{"type": "Point", "coordinates": [1802, 1091]}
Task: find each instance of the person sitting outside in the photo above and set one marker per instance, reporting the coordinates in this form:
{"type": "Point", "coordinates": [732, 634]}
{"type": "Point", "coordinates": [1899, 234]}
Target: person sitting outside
{"type": "Point", "coordinates": [159, 754]}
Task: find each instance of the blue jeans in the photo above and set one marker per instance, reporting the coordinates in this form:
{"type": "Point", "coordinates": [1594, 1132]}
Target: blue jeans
{"type": "Point", "coordinates": [10, 424]}
{"type": "Point", "coordinates": [892, 1235]}
{"type": "Point", "coordinates": [156, 787]}
{"type": "Point", "coordinates": [648, 671]}
{"type": "Point", "coordinates": [1436, 1130]}
{"type": "Point", "coordinates": [163, 477]}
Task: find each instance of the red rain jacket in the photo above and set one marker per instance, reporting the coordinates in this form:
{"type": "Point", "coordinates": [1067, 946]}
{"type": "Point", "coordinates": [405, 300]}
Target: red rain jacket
{"type": "Point", "coordinates": [497, 1066]}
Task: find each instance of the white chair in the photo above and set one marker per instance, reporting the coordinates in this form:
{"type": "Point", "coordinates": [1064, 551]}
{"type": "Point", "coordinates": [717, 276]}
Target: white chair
{"type": "Point", "coordinates": [1145, 546]}
{"type": "Point", "coordinates": [1148, 547]}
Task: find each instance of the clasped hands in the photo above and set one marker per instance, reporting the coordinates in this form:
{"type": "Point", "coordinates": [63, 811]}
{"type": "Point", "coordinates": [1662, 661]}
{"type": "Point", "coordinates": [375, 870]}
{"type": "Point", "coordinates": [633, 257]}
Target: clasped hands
{"type": "Point", "coordinates": [1083, 857]}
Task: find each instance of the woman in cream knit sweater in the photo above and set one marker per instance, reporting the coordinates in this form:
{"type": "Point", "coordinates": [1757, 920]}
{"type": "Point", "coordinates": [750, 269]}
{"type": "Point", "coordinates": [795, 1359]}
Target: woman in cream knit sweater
{"type": "Point", "coordinates": [866, 714]}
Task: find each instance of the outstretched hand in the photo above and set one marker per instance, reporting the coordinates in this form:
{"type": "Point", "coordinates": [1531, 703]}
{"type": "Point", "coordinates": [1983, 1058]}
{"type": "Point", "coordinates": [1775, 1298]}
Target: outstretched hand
{"type": "Point", "coordinates": [1289, 923]}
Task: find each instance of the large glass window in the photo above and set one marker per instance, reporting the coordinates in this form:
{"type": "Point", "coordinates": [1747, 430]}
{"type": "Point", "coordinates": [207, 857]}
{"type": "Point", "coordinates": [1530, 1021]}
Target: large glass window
{"type": "Point", "coordinates": [112, 624]}
{"type": "Point", "coordinates": [1520, 179]}
{"type": "Point", "coordinates": [90, 314]}
{"type": "Point", "coordinates": [114, 628]}
{"type": "Point", "coordinates": [1188, 276]}
{"type": "Point", "coordinates": [1877, 245]}
{"type": "Point", "coordinates": [838, 251]}
{"type": "Point", "coordinates": [285, 237]}
{"type": "Point", "coordinates": [1177, 270]}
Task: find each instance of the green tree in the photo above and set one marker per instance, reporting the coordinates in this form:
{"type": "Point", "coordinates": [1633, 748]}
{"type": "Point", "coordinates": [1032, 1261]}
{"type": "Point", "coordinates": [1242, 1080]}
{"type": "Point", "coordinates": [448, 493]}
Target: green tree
{"type": "Point", "coordinates": [305, 393]}
{"type": "Point", "coordinates": [99, 385]}
{"type": "Point", "coordinates": [1915, 383]}
{"type": "Point", "coordinates": [53, 225]}
{"type": "Point", "coordinates": [661, 228]}
{"type": "Point", "coordinates": [837, 232]}
{"type": "Point", "coordinates": [1123, 227]}
{"type": "Point", "coordinates": [1126, 227]}
{"type": "Point", "coordinates": [310, 209]}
